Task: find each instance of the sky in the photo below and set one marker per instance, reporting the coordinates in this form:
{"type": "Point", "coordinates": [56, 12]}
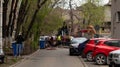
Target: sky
{"type": "Point", "coordinates": [76, 3]}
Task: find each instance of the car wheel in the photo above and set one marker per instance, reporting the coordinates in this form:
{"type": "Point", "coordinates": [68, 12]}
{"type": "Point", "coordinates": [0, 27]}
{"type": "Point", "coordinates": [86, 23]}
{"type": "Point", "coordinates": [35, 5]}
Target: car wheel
{"type": "Point", "coordinates": [111, 65]}
{"type": "Point", "coordinates": [100, 59]}
{"type": "Point", "coordinates": [114, 65]}
{"type": "Point", "coordinates": [71, 51]}
{"type": "Point", "coordinates": [89, 56]}
{"type": "Point", "coordinates": [2, 60]}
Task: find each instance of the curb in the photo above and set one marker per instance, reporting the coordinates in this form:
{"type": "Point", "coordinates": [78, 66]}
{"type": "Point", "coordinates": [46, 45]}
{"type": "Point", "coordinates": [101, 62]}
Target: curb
{"type": "Point", "coordinates": [25, 58]}
{"type": "Point", "coordinates": [82, 61]}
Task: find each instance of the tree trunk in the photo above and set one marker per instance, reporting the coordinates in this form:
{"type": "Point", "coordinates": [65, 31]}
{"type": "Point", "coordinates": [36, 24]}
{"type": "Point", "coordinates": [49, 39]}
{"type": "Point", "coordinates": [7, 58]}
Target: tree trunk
{"type": "Point", "coordinates": [5, 4]}
{"type": "Point", "coordinates": [34, 16]}
{"type": "Point", "coordinates": [21, 16]}
{"type": "Point", "coordinates": [10, 18]}
{"type": "Point", "coordinates": [14, 17]}
{"type": "Point", "coordinates": [71, 16]}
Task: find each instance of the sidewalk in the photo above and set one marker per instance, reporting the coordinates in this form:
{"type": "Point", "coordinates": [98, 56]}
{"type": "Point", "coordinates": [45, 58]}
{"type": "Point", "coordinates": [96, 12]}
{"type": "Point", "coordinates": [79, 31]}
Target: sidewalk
{"type": "Point", "coordinates": [9, 60]}
{"type": "Point", "coordinates": [24, 58]}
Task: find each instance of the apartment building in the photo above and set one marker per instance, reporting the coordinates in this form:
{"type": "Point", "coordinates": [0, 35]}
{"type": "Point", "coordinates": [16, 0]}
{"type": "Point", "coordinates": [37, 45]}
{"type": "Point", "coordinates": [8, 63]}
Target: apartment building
{"type": "Point", "coordinates": [115, 26]}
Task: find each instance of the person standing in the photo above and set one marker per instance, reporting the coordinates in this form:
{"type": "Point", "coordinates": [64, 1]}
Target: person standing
{"type": "Point", "coordinates": [51, 44]}
{"type": "Point", "coordinates": [58, 40]}
{"type": "Point", "coordinates": [19, 43]}
{"type": "Point", "coordinates": [90, 32]}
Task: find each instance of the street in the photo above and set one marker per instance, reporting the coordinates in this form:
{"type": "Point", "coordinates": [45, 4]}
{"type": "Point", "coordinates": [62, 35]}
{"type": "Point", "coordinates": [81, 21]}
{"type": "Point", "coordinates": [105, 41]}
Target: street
{"type": "Point", "coordinates": [54, 58]}
{"type": "Point", "coordinates": [30, 25]}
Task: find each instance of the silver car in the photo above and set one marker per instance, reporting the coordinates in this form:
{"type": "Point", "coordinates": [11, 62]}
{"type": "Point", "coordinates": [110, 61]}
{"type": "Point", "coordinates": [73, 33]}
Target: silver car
{"type": "Point", "coordinates": [114, 58]}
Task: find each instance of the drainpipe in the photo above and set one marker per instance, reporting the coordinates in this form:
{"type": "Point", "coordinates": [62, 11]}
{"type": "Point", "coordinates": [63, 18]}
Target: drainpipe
{"type": "Point", "coordinates": [1, 9]}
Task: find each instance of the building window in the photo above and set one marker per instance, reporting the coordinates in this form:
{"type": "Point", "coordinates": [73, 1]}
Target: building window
{"type": "Point", "coordinates": [118, 17]}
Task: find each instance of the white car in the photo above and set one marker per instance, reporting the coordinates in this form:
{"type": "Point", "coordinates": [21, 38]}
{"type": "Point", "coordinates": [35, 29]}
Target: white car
{"type": "Point", "coordinates": [114, 58]}
{"type": "Point", "coordinates": [74, 48]}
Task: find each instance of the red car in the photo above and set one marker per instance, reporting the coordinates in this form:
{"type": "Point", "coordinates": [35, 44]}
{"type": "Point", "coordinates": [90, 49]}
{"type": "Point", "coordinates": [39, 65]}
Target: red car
{"type": "Point", "coordinates": [102, 49]}
{"type": "Point", "coordinates": [89, 48]}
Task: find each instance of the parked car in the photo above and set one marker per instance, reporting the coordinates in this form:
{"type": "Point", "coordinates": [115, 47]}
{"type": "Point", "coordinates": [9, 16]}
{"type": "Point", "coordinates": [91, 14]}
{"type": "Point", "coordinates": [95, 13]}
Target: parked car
{"type": "Point", "coordinates": [102, 49]}
{"type": "Point", "coordinates": [2, 56]}
{"type": "Point", "coordinates": [114, 58]}
{"type": "Point", "coordinates": [76, 45]}
{"type": "Point", "coordinates": [89, 48]}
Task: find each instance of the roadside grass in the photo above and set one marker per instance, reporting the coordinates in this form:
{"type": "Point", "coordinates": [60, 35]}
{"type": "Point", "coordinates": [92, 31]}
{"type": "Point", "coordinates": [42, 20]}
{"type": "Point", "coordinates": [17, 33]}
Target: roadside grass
{"type": "Point", "coordinates": [10, 60]}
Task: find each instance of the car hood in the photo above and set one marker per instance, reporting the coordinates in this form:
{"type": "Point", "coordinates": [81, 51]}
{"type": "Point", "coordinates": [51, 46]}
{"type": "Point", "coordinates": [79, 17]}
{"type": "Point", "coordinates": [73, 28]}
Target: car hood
{"type": "Point", "coordinates": [75, 45]}
{"type": "Point", "coordinates": [115, 51]}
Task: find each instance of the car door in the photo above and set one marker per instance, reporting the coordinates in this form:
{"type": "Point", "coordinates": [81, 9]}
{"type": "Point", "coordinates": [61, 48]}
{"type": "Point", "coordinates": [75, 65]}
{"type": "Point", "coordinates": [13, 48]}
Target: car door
{"type": "Point", "coordinates": [111, 45]}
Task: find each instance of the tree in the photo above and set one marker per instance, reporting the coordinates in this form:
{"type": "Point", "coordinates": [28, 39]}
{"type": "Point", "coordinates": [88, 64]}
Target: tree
{"type": "Point", "coordinates": [51, 23]}
{"type": "Point", "coordinates": [20, 12]}
{"type": "Point", "coordinates": [93, 12]}
{"type": "Point", "coordinates": [29, 17]}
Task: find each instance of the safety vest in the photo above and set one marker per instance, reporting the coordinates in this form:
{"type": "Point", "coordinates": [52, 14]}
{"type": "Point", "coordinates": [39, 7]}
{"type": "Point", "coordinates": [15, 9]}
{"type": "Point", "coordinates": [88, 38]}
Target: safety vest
{"type": "Point", "coordinates": [59, 38]}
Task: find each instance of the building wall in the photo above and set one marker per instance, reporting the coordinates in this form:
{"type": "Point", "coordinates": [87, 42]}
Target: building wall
{"type": "Point", "coordinates": [115, 23]}
{"type": "Point", "coordinates": [107, 13]}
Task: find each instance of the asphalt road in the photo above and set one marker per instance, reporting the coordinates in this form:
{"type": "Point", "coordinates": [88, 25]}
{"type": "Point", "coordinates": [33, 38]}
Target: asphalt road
{"type": "Point", "coordinates": [54, 58]}
{"type": "Point", "coordinates": [92, 64]}
{"type": "Point", "coordinates": [50, 58]}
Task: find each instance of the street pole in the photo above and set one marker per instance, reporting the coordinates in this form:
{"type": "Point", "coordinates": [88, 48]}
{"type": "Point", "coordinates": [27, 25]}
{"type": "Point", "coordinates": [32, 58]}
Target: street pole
{"type": "Point", "coordinates": [1, 10]}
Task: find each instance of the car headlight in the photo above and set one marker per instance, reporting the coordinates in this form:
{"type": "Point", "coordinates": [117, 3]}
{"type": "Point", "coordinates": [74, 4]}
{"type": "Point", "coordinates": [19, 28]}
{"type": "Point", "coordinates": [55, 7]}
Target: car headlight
{"type": "Point", "coordinates": [116, 55]}
{"type": "Point", "coordinates": [71, 46]}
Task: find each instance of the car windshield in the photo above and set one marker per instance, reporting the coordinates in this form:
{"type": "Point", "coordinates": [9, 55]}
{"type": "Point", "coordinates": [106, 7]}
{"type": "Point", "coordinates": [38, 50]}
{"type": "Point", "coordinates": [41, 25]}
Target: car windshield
{"type": "Point", "coordinates": [78, 40]}
{"type": "Point", "coordinates": [96, 41]}
{"type": "Point", "coordinates": [115, 43]}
